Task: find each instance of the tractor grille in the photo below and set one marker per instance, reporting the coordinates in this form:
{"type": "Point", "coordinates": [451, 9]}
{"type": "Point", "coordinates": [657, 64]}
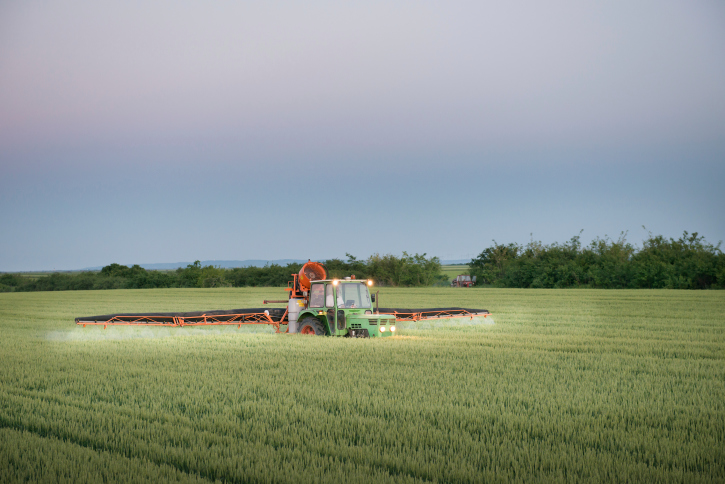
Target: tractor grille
{"type": "Point", "coordinates": [373, 321]}
{"type": "Point", "coordinates": [356, 325]}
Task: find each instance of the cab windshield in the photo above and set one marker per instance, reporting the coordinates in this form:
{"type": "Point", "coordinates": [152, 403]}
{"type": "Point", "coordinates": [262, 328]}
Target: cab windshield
{"type": "Point", "coordinates": [353, 295]}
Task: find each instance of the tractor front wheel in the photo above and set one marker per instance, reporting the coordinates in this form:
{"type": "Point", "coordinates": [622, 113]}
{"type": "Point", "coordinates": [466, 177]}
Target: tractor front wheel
{"type": "Point", "coordinates": [312, 326]}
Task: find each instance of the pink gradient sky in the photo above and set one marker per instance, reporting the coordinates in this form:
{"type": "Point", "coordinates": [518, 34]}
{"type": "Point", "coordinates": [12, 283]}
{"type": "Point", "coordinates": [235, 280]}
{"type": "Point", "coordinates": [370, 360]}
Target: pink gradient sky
{"type": "Point", "coordinates": [454, 123]}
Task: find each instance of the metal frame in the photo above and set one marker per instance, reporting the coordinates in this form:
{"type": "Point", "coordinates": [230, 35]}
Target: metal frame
{"type": "Point", "coordinates": [258, 318]}
{"type": "Point", "coordinates": [435, 314]}
{"type": "Point", "coordinates": [201, 320]}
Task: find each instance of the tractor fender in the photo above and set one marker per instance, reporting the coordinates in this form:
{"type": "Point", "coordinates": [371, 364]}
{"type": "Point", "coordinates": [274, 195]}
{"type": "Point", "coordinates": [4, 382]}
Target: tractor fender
{"type": "Point", "coordinates": [308, 313]}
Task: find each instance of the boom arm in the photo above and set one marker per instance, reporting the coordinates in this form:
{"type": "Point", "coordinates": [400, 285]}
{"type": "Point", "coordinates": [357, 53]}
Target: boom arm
{"type": "Point", "coordinates": [273, 316]}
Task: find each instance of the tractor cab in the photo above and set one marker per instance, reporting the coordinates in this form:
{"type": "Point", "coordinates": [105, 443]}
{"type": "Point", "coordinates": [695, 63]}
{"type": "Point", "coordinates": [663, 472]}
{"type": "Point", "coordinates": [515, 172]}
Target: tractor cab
{"type": "Point", "coordinates": [343, 307]}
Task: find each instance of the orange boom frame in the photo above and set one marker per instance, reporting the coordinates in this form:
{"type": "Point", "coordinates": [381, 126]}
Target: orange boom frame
{"type": "Point", "coordinates": [402, 315]}
{"type": "Point", "coordinates": [274, 317]}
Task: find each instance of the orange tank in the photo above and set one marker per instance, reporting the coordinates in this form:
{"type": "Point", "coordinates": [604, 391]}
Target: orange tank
{"type": "Point", "coordinates": [311, 271]}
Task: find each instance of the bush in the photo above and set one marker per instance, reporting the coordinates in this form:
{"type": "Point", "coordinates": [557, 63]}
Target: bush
{"type": "Point", "coordinates": [685, 263]}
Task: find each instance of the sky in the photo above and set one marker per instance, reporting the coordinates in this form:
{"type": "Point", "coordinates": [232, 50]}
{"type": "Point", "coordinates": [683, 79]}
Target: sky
{"type": "Point", "coordinates": [148, 132]}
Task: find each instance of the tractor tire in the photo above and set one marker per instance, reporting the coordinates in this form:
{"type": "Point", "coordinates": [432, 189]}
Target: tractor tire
{"type": "Point", "coordinates": [311, 326]}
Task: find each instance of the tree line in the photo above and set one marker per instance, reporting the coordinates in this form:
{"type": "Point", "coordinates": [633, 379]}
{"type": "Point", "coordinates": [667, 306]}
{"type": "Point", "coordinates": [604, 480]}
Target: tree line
{"type": "Point", "coordinates": [385, 270]}
{"type": "Point", "coordinates": [689, 262]}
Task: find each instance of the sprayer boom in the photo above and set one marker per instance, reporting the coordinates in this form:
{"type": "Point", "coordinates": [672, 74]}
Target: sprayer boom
{"type": "Point", "coordinates": [316, 305]}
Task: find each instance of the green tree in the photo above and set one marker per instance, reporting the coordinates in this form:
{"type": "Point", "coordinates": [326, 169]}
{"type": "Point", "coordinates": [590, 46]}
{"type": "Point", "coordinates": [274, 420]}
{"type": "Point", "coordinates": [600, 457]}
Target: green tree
{"type": "Point", "coordinates": [491, 264]}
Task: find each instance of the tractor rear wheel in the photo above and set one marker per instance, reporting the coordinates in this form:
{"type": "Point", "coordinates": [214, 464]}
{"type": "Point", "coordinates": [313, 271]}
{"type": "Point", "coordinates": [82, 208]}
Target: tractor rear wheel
{"type": "Point", "coordinates": [312, 326]}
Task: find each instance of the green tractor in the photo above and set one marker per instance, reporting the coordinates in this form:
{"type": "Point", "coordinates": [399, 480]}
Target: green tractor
{"type": "Point", "coordinates": [339, 307]}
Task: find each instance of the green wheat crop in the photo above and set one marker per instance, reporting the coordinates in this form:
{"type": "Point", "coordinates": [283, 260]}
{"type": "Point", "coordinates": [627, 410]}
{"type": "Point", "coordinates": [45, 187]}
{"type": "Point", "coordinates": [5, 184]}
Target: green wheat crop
{"type": "Point", "coordinates": [567, 385]}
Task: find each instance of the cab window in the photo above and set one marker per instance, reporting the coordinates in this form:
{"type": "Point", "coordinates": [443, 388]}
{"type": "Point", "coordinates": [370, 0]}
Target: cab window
{"type": "Point", "coordinates": [329, 297]}
{"type": "Point", "coordinates": [355, 295]}
{"type": "Point", "coordinates": [317, 296]}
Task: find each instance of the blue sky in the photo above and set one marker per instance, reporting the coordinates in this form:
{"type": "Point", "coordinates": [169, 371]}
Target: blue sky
{"type": "Point", "coordinates": [176, 131]}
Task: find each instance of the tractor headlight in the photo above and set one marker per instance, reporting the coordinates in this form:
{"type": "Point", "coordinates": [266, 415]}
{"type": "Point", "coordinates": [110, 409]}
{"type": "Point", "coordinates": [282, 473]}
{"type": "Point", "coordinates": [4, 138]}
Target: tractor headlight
{"type": "Point", "coordinates": [382, 329]}
{"type": "Point", "coordinates": [392, 329]}
{"type": "Point", "coordinates": [334, 283]}
{"type": "Point", "coordinates": [370, 282]}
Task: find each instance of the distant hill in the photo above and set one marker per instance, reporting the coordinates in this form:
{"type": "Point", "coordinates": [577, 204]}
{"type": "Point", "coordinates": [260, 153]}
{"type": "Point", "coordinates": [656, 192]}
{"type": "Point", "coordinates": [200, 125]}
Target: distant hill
{"type": "Point", "coordinates": [226, 264]}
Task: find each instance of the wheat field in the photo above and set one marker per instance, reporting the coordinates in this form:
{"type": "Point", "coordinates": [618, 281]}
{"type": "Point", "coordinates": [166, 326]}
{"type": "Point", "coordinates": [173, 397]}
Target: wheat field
{"type": "Point", "coordinates": [567, 385]}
